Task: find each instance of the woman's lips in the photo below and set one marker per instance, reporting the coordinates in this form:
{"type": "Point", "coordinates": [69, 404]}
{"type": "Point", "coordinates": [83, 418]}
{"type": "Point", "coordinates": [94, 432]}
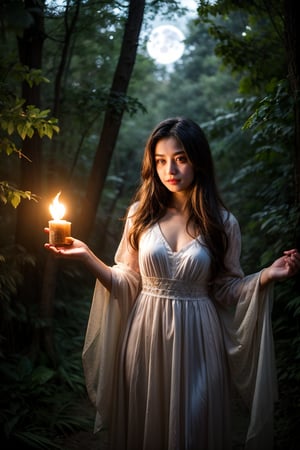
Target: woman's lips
{"type": "Point", "coordinates": [173, 181]}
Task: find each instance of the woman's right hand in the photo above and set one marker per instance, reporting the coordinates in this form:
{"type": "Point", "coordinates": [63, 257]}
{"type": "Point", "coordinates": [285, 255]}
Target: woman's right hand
{"type": "Point", "coordinates": [74, 249]}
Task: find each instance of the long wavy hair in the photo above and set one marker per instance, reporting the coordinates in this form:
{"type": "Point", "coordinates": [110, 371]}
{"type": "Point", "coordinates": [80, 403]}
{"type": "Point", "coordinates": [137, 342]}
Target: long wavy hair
{"type": "Point", "coordinates": [205, 206]}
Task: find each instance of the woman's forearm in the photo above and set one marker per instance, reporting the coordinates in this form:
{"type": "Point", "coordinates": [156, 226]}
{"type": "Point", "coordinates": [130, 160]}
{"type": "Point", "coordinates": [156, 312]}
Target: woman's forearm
{"type": "Point", "coordinates": [265, 277]}
{"type": "Point", "coordinates": [98, 268]}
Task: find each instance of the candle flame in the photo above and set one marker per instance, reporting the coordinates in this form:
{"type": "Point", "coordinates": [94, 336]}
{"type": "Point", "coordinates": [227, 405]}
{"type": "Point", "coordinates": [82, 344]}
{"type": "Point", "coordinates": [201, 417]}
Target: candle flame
{"type": "Point", "coordinates": [57, 209]}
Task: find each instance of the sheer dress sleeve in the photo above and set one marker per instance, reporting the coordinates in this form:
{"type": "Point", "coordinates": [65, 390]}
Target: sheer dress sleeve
{"type": "Point", "coordinates": [106, 326]}
{"type": "Point", "coordinates": [245, 311]}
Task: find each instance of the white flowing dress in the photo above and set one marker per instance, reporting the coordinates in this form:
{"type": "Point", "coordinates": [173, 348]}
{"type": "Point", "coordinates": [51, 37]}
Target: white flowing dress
{"type": "Point", "coordinates": [164, 347]}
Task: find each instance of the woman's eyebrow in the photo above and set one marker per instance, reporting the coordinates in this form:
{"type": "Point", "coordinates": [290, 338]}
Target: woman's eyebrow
{"type": "Point", "coordinates": [174, 154]}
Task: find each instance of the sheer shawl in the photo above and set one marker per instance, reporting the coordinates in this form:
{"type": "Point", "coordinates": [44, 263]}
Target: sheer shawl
{"type": "Point", "coordinates": [245, 311]}
{"type": "Point", "coordinates": [106, 326]}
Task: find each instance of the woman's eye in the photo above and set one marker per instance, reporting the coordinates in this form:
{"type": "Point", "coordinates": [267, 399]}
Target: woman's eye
{"type": "Point", "coordinates": [182, 159]}
{"type": "Point", "coordinates": [159, 161]}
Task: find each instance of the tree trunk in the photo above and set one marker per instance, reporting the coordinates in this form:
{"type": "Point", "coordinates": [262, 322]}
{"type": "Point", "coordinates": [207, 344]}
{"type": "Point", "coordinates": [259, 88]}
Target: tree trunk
{"type": "Point", "coordinates": [29, 213]}
{"type": "Point", "coordinates": [112, 119]}
{"type": "Point", "coordinates": [31, 217]}
{"type": "Point", "coordinates": [71, 15]}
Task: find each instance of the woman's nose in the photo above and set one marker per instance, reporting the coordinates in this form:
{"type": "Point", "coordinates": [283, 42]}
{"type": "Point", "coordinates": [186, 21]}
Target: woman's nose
{"type": "Point", "coordinates": [171, 167]}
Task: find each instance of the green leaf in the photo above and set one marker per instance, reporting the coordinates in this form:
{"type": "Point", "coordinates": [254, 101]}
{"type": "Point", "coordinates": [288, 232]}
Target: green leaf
{"type": "Point", "coordinates": [22, 130]}
{"type": "Point", "coordinates": [30, 132]}
{"type": "Point", "coordinates": [42, 374]}
{"type": "Point", "coordinates": [15, 200]}
{"type": "Point", "coordinates": [10, 127]}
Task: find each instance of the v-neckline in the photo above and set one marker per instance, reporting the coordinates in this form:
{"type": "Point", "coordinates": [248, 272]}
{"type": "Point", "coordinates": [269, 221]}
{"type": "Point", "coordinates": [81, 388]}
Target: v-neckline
{"type": "Point", "coordinates": [168, 246]}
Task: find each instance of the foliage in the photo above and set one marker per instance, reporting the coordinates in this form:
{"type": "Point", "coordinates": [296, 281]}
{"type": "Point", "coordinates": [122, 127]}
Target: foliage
{"type": "Point", "coordinates": [12, 258]}
{"type": "Point", "coordinates": [261, 195]}
{"type": "Point", "coordinates": [272, 121]}
{"type": "Point", "coordinates": [39, 401]}
{"type": "Point", "coordinates": [12, 195]}
{"type": "Point", "coordinates": [287, 343]}
{"type": "Point", "coordinates": [19, 121]}
{"type": "Point", "coordinates": [272, 137]}
{"type": "Point", "coordinates": [246, 35]}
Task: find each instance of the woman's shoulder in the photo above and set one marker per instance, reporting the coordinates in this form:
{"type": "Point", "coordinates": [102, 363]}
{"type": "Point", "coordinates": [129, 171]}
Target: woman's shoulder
{"type": "Point", "coordinates": [132, 209]}
{"type": "Point", "coordinates": [229, 219]}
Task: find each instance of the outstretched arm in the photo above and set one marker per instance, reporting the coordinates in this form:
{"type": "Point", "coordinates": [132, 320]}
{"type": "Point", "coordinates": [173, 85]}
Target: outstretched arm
{"type": "Point", "coordinates": [285, 267]}
{"type": "Point", "coordinates": [79, 251]}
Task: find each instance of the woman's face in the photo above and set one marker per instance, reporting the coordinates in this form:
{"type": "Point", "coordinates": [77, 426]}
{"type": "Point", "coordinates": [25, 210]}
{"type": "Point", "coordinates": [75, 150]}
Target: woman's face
{"type": "Point", "coordinates": [173, 167]}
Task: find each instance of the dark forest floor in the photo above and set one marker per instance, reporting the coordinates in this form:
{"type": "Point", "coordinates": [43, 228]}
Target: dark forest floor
{"type": "Point", "coordinates": [84, 439]}
{"type": "Point", "coordinates": [87, 440]}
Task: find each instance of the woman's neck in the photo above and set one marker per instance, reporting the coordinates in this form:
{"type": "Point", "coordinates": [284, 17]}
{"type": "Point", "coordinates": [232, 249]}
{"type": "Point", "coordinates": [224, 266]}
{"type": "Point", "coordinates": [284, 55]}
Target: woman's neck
{"type": "Point", "coordinates": [178, 203]}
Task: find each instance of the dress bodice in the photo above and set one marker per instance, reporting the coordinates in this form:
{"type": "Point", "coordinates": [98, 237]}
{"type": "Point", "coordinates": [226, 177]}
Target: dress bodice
{"type": "Point", "coordinates": [156, 259]}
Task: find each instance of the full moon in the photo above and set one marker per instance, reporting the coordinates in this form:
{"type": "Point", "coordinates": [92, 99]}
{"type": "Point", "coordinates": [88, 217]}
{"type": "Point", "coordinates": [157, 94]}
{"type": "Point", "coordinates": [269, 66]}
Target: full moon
{"type": "Point", "coordinates": [165, 44]}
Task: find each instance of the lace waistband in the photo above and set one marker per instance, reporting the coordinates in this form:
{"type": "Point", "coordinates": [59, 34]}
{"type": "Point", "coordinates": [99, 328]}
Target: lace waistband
{"type": "Point", "coordinates": [174, 289]}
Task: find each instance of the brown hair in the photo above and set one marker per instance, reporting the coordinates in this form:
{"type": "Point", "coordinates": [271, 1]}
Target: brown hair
{"type": "Point", "coordinates": [204, 203]}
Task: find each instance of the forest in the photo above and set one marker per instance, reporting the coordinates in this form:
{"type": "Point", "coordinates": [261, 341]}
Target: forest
{"type": "Point", "coordinates": [79, 95]}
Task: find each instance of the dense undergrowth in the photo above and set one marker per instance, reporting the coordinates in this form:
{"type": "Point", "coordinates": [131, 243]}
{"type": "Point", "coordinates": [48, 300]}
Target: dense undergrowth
{"type": "Point", "coordinates": [40, 398]}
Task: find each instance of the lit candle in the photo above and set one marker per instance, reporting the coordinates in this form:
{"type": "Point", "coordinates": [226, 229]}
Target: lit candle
{"type": "Point", "coordinates": [59, 229]}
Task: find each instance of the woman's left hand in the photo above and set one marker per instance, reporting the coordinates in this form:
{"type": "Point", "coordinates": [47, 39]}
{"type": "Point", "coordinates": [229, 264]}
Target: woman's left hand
{"type": "Point", "coordinates": [285, 267]}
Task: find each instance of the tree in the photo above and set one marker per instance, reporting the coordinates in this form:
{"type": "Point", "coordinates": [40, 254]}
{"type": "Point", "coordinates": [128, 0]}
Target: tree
{"type": "Point", "coordinates": [30, 53]}
{"type": "Point", "coordinates": [113, 116]}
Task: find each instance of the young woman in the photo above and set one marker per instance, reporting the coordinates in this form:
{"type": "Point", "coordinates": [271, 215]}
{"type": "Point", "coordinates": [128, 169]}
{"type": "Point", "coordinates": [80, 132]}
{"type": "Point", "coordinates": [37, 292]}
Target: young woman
{"type": "Point", "coordinates": [175, 323]}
